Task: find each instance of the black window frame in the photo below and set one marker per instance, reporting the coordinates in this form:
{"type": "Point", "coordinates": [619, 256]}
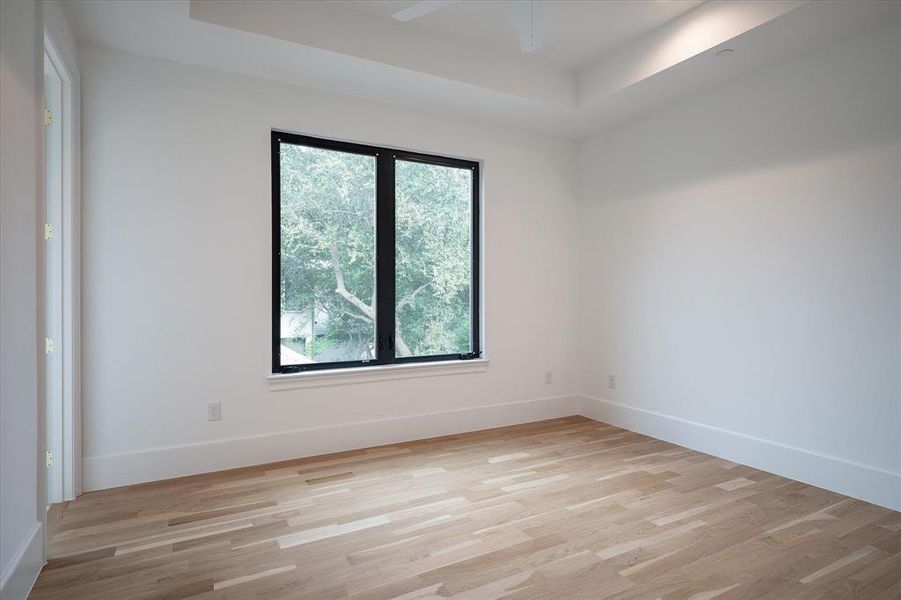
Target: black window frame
{"type": "Point", "coordinates": [385, 282]}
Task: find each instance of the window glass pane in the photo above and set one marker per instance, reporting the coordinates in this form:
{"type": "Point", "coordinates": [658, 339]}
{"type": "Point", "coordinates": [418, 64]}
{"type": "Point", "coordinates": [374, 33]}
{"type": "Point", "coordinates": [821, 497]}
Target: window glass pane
{"type": "Point", "coordinates": [433, 270]}
{"type": "Point", "coordinates": [327, 255]}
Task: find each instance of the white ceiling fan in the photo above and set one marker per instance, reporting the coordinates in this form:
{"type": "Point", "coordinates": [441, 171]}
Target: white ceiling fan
{"type": "Point", "coordinates": [528, 14]}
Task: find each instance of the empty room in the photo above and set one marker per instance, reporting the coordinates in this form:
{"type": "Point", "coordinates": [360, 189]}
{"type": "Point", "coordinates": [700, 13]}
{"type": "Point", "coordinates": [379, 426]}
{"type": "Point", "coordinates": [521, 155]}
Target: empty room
{"type": "Point", "coordinates": [450, 299]}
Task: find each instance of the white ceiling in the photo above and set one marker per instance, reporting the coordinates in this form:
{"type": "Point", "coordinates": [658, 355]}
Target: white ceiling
{"type": "Point", "coordinates": [577, 32]}
{"type": "Point", "coordinates": [603, 62]}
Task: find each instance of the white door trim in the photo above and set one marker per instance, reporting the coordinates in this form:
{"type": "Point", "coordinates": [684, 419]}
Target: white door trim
{"type": "Point", "coordinates": [64, 427]}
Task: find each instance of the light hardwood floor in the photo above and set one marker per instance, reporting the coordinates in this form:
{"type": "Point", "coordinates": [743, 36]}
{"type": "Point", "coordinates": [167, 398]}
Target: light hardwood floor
{"type": "Point", "coordinates": [568, 508]}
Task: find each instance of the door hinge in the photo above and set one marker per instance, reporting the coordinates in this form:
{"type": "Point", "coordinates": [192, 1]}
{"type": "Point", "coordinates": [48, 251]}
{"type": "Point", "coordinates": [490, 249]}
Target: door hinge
{"type": "Point", "coordinates": [48, 231]}
{"type": "Point", "coordinates": [48, 116]}
{"type": "Point", "coordinates": [49, 459]}
{"type": "Point", "coordinates": [48, 345]}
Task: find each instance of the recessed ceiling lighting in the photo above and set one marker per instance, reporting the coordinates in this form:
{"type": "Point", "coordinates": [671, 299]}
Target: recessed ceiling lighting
{"type": "Point", "coordinates": [725, 52]}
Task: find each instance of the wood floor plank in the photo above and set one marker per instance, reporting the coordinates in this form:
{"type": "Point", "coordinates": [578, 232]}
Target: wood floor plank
{"type": "Point", "coordinates": [567, 508]}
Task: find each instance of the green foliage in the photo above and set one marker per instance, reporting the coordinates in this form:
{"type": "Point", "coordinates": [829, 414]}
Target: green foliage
{"type": "Point", "coordinates": [433, 258]}
{"type": "Point", "coordinates": [328, 234]}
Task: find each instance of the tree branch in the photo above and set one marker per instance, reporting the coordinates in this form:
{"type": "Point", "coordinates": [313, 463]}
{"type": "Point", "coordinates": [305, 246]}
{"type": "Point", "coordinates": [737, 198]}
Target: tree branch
{"type": "Point", "coordinates": [363, 318]}
{"type": "Point", "coordinates": [409, 299]}
{"type": "Point", "coordinates": [402, 348]}
{"type": "Point", "coordinates": [342, 291]}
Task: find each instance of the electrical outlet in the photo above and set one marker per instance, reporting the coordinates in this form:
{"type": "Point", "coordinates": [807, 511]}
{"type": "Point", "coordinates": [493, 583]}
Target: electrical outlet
{"type": "Point", "coordinates": [548, 376]}
{"type": "Point", "coordinates": [611, 382]}
{"type": "Point", "coordinates": [214, 411]}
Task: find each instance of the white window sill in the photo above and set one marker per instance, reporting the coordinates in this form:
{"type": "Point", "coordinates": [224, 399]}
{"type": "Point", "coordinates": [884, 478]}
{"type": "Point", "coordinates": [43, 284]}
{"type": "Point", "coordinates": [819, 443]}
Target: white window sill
{"type": "Point", "coordinates": [356, 375]}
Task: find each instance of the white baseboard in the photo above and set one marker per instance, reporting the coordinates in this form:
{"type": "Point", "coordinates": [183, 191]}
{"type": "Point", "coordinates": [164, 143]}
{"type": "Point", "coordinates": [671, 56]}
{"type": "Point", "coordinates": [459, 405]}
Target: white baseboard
{"type": "Point", "coordinates": [868, 483]}
{"type": "Point", "coordinates": [19, 576]}
{"type": "Point", "coordinates": [113, 470]}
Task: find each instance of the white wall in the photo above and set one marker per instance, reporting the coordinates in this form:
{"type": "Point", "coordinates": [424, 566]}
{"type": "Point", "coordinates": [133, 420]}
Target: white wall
{"type": "Point", "coordinates": [21, 69]}
{"type": "Point", "coordinates": [177, 275]}
{"type": "Point", "coordinates": [741, 270]}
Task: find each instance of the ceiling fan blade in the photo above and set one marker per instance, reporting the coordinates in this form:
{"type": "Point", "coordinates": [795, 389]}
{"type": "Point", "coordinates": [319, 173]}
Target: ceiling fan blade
{"type": "Point", "coordinates": [530, 24]}
{"type": "Point", "coordinates": [421, 8]}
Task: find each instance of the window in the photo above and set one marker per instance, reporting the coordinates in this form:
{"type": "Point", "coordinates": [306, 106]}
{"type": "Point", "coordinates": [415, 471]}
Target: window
{"type": "Point", "coordinates": [375, 255]}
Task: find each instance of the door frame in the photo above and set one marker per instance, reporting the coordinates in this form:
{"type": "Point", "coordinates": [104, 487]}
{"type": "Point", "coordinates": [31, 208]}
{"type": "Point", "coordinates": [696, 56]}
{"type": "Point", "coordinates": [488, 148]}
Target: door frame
{"type": "Point", "coordinates": [62, 409]}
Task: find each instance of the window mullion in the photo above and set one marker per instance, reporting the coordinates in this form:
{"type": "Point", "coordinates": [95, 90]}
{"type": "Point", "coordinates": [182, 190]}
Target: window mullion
{"type": "Point", "coordinates": [385, 252]}
{"type": "Point", "coordinates": [476, 273]}
{"type": "Point", "coordinates": [276, 252]}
